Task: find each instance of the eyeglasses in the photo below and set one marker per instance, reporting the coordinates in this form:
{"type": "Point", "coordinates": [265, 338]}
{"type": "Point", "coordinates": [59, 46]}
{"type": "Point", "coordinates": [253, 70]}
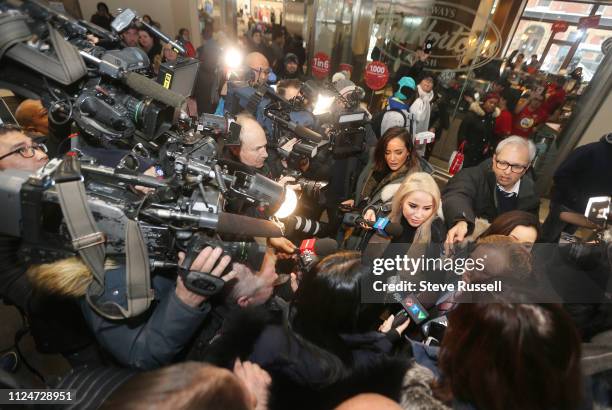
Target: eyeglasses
{"type": "Point", "coordinates": [503, 165]}
{"type": "Point", "coordinates": [27, 152]}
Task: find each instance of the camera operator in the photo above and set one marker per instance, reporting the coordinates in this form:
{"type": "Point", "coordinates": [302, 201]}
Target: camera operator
{"type": "Point", "coordinates": [251, 150]}
{"type": "Point", "coordinates": [129, 36]}
{"type": "Point", "coordinates": [289, 88]}
{"type": "Point", "coordinates": [56, 323]}
{"type": "Point", "coordinates": [248, 289]}
{"type": "Point", "coordinates": [152, 339]}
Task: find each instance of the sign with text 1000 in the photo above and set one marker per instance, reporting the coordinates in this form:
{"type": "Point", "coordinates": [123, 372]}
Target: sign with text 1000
{"type": "Point", "coordinates": [376, 75]}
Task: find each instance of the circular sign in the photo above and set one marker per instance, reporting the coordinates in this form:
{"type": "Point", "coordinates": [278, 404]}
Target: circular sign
{"type": "Point", "coordinates": [320, 65]}
{"type": "Point", "coordinates": [346, 67]}
{"type": "Point", "coordinates": [376, 75]}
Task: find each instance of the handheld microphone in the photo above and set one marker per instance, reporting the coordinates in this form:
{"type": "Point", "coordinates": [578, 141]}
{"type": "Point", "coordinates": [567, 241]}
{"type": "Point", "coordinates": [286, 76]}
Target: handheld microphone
{"type": "Point", "coordinates": [386, 228]}
{"type": "Point", "coordinates": [382, 225]}
{"type": "Point", "coordinates": [311, 251]}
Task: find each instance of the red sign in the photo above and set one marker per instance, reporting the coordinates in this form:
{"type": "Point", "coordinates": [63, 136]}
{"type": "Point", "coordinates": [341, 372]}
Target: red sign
{"type": "Point", "coordinates": [589, 22]}
{"type": "Point", "coordinates": [346, 67]}
{"type": "Point", "coordinates": [320, 65]}
{"type": "Point", "coordinates": [376, 75]}
{"type": "Point", "coordinates": [560, 27]}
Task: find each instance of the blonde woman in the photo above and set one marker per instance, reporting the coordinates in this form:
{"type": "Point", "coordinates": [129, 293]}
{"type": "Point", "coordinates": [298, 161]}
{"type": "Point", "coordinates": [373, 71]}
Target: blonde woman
{"type": "Point", "coordinates": [415, 206]}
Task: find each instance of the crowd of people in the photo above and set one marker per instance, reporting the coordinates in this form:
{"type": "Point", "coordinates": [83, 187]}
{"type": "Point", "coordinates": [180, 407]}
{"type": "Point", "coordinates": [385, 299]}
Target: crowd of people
{"type": "Point", "coordinates": [278, 337]}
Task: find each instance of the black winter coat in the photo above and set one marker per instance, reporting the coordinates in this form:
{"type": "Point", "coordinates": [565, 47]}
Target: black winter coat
{"type": "Point", "coordinates": [471, 194]}
{"type": "Point", "coordinates": [477, 132]}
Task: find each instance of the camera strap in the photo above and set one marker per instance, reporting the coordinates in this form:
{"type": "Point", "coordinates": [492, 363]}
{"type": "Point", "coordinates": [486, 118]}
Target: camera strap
{"type": "Point", "coordinates": [89, 242]}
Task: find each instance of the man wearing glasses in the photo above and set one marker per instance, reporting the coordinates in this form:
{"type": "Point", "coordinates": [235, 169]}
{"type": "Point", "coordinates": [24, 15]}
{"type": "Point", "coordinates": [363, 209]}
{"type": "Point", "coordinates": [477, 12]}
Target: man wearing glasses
{"type": "Point", "coordinates": [18, 151]}
{"type": "Point", "coordinates": [493, 187]}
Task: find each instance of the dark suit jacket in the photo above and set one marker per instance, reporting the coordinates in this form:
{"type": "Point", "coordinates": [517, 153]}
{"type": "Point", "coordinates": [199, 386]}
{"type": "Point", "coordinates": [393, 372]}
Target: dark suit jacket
{"type": "Point", "coordinates": [471, 194]}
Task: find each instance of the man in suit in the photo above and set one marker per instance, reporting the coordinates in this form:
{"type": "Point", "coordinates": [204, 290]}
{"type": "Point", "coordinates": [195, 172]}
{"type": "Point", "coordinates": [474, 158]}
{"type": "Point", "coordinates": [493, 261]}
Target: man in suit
{"type": "Point", "coordinates": [495, 186]}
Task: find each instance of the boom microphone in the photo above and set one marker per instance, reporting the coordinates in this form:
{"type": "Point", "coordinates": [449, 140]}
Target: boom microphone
{"type": "Point", "coordinates": [299, 130]}
{"type": "Point", "coordinates": [223, 222]}
{"type": "Point", "coordinates": [150, 88]}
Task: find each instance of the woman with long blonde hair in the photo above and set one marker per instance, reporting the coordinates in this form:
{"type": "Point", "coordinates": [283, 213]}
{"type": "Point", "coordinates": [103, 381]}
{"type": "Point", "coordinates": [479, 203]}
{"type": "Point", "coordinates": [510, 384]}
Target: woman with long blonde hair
{"type": "Point", "coordinates": [415, 207]}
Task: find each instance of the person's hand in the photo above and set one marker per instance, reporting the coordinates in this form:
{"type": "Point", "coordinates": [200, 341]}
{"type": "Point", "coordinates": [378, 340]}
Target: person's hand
{"type": "Point", "coordinates": [369, 216]}
{"type": "Point", "coordinates": [456, 234]}
{"type": "Point", "coordinates": [432, 129]}
{"type": "Point", "coordinates": [92, 39]}
{"type": "Point", "coordinates": [152, 172]}
{"type": "Point", "coordinates": [206, 261]}
{"type": "Point", "coordinates": [285, 180]}
{"type": "Point", "coordinates": [386, 326]}
{"type": "Point", "coordinates": [348, 202]}
{"type": "Point", "coordinates": [257, 381]}
{"type": "Point", "coordinates": [284, 247]}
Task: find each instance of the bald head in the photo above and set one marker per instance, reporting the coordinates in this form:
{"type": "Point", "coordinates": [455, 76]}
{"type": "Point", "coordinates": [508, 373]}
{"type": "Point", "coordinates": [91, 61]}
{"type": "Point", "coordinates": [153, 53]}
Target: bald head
{"type": "Point", "coordinates": [33, 117]}
{"type": "Point", "coordinates": [369, 401]}
{"type": "Point", "coordinates": [253, 142]}
{"type": "Point", "coordinates": [259, 64]}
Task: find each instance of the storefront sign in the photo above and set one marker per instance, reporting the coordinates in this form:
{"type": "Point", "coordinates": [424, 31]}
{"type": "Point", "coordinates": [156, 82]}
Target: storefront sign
{"type": "Point", "coordinates": [589, 22]}
{"type": "Point", "coordinates": [461, 37]}
{"type": "Point", "coordinates": [320, 66]}
{"type": "Point", "coordinates": [560, 27]}
{"type": "Point", "coordinates": [376, 75]}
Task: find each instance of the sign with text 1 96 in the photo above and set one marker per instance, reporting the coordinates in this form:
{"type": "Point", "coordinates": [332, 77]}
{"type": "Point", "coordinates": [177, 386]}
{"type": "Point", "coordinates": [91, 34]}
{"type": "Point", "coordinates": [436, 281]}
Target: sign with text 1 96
{"type": "Point", "coordinates": [320, 65]}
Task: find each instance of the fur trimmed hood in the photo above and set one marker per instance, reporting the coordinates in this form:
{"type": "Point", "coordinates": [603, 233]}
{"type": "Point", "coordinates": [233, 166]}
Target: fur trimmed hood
{"type": "Point", "coordinates": [416, 390]}
{"type": "Point", "coordinates": [67, 277]}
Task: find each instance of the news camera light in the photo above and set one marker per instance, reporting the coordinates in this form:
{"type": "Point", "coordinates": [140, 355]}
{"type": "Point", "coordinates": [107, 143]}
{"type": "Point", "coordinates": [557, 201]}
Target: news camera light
{"type": "Point", "coordinates": [323, 104]}
{"type": "Point", "coordinates": [233, 58]}
{"type": "Point", "coordinates": [288, 205]}
{"type": "Point", "coordinates": [354, 117]}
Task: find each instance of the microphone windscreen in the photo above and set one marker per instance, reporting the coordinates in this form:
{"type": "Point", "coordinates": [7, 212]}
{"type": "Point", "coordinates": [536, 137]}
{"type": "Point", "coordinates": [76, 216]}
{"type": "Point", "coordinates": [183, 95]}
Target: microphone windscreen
{"type": "Point", "coordinates": [150, 88]}
{"type": "Point", "coordinates": [308, 134]}
{"type": "Point", "coordinates": [393, 229]}
{"type": "Point", "coordinates": [246, 226]}
{"type": "Point", "coordinates": [325, 246]}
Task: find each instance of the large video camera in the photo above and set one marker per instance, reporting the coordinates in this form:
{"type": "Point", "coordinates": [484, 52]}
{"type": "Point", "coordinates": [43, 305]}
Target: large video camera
{"type": "Point", "coordinates": [101, 90]}
{"type": "Point", "coordinates": [48, 209]}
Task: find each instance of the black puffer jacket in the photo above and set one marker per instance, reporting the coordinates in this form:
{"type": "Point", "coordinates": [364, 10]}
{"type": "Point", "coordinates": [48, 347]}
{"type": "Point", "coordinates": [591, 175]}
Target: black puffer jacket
{"type": "Point", "coordinates": [476, 130]}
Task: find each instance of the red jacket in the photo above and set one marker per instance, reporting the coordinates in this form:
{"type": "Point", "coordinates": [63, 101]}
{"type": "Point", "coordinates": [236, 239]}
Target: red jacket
{"type": "Point", "coordinates": [527, 120]}
{"type": "Point", "coordinates": [503, 125]}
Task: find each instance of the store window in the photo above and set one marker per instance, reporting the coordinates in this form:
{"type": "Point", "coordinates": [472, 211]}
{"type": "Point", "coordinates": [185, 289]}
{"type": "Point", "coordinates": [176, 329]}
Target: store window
{"type": "Point", "coordinates": [531, 37]}
{"type": "Point", "coordinates": [575, 45]}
